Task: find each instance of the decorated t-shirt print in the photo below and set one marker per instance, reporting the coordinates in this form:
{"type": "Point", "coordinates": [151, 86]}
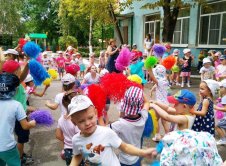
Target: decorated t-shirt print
{"type": "Point", "coordinates": [92, 154]}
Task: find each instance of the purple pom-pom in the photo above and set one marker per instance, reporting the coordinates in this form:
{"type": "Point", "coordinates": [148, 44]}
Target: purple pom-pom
{"type": "Point", "coordinates": [159, 50]}
{"type": "Point", "coordinates": [123, 59]}
{"type": "Point", "coordinates": [42, 117]}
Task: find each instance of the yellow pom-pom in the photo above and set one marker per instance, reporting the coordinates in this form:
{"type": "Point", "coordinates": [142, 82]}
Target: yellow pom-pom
{"type": "Point", "coordinates": [135, 78]}
{"type": "Point", "coordinates": [154, 120]}
{"type": "Point", "coordinates": [47, 81]}
{"type": "Point", "coordinates": [53, 73]}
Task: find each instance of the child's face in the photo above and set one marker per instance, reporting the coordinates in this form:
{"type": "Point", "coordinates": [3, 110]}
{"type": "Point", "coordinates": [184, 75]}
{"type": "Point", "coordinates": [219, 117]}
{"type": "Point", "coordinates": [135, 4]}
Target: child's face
{"type": "Point", "coordinates": [223, 62]}
{"type": "Point", "coordinates": [204, 90]}
{"type": "Point", "coordinates": [207, 65]}
{"type": "Point", "coordinates": [85, 120]}
{"type": "Point", "coordinates": [9, 57]}
{"type": "Point", "coordinates": [31, 84]}
{"type": "Point", "coordinates": [222, 91]}
{"type": "Point", "coordinates": [93, 69]}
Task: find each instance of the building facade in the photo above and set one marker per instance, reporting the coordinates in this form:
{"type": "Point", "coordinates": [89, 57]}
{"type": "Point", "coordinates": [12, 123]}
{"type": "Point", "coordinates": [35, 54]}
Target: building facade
{"type": "Point", "coordinates": [198, 27]}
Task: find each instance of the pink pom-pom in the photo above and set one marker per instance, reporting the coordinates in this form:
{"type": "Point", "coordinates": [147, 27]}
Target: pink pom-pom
{"type": "Point", "coordinates": [219, 114]}
{"type": "Point", "coordinates": [39, 58]}
{"type": "Point", "coordinates": [123, 59]}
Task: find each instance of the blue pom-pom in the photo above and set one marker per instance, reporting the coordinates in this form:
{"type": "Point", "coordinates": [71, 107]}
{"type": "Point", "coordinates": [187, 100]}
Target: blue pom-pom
{"type": "Point", "coordinates": [31, 49]}
{"type": "Point", "coordinates": [38, 72]}
{"type": "Point", "coordinates": [42, 117]}
{"type": "Point", "coordinates": [159, 147]}
{"type": "Point", "coordinates": [159, 50]}
{"type": "Point", "coordinates": [148, 129]}
{"type": "Point", "coordinates": [155, 163]}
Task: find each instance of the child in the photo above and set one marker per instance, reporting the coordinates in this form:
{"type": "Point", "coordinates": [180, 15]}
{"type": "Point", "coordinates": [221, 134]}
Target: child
{"type": "Point", "coordinates": [61, 64]}
{"type": "Point", "coordinates": [161, 94]}
{"type": "Point", "coordinates": [179, 114]}
{"type": "Point", "coordinates": [200, 59]}
{"type": "Point", "coordinates": [146, 75]}
{"type": "Point", "coordinates": [221, 126]}
{"type": "Point", "coordinates": [81, 65]}
{"type": "Point", "coordinates": [204, 120]}
{"type": "Point", "coordinates": [175, 69]}
{"type": "Point", "coordinates": [46, 62]}
{"type": "Point", "coordinates": [186, 67]}
{"type": "Point", "coordinates": [207, 71]}
{"type": "Point", "coordinates": [13, 67]}
{"type": "Point", "coordinates": [11, 111]}
{"type": "Point", "coordinates": [135, 107]}
{"type": "Point", "coordinates": [95, 143]}
{"type": "Point", "coordinates": [221, 69]}
{"type": "Point", "coordinates": [68, 82]}
{"type": "Point", "coordinates": [101, 61]}
{"type": "Point", "coordinates": [66, 129]}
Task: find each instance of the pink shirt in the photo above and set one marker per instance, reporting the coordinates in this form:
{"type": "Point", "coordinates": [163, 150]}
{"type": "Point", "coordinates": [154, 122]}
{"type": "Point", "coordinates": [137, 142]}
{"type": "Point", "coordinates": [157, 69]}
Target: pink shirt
{"type": "Point", "coordinates": [61, 62]}
{"type": "Point", "coordinates": [69, 130]}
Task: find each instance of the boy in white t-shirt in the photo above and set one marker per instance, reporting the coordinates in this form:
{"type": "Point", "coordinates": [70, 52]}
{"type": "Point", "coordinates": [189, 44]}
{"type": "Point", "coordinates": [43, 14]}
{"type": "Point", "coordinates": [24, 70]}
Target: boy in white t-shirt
{"type": "Point", "coordinates": [68, 82]}
{"type": "Point", "coordinates": [130, 128]}
{"type": "Point", "coordinates": [207, 71]}
{"type": "Point", "coordinates": [95, 143]}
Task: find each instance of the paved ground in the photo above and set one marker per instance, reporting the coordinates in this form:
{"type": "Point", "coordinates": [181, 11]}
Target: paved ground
{"type": "Point", "coordinates": [45, 148]}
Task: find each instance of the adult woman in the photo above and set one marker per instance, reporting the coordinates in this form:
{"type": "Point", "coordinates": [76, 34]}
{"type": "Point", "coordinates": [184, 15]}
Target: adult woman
{"type": "Point", "coordinates": [92, 77]}
{"type": "Point", "coordinates": [113, 53]}
{"type": "Point", "coordinates": [147, 44]}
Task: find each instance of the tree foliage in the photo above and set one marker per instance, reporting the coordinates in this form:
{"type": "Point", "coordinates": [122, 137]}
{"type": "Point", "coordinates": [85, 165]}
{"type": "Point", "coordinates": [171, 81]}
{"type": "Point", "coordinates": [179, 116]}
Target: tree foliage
{"type": "Point", "coordinates": [65, 41]}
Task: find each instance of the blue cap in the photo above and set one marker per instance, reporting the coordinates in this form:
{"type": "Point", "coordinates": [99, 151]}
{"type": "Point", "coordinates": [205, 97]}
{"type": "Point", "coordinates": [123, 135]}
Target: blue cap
{"type": "Point", "coordinates": [183, 96]}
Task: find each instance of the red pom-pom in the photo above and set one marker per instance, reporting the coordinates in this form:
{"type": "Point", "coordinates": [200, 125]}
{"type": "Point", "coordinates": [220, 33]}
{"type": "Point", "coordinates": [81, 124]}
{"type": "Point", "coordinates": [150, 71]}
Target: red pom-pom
{"type": "Point", "coordinates": [169, 62]}
{"type": "Point", "coordinates": [115, 85]}
{"type": "Point", "coordinates": [22, 42]}
{"type": "Point", "coordinates": [98, 96]}
{"type": "Point", "coordinates": [72, 69]}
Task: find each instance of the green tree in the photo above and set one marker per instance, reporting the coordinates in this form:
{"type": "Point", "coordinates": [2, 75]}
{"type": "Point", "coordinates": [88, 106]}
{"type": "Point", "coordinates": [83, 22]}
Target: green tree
{"type": "Point", "coordinates": [65, 41]}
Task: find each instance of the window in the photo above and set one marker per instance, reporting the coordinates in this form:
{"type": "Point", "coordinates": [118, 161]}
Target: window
{"type": "Point", "coordinates": [212, 24]}
{"type": "Point", "coordinates": [152, 26]}
{"type": "Point", "coordinates": [181, 30]}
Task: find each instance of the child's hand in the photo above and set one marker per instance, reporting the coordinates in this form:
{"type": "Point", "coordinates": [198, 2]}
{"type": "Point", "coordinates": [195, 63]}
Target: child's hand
{"type": "Point", "coordinates": [47, 103]}
{"type": "Point", "coordinates": [150, 153]}
{"type": "Point", "coordinates": [152, 105]}
{"type": "Point", "coordinates": [32, 123]}
{"type": "Point", "coordinates": [192, 111]}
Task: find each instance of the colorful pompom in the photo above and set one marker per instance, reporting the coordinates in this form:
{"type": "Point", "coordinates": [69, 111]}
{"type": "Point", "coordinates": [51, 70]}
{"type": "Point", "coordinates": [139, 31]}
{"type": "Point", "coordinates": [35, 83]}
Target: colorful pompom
{"type": "Point", "coordinates": [158, 50]}
{"type": "Point", "coordinates": [39, 58]}
{"type": "Point", "coordinates": [154, 120]}
{"type": "Point", "coordinates": [31, 49]}
{"type": "Point", "coordinates": [219, 114]}
{"type": "Point", "coordinates": [53, 73]}
{"type": "Point", "coordinates": [72, 69]}
{"type": "Point", "coordinates": [47, 81]}
{"type": "Point", "coordinates": [42, 117]}
{"type": "Point", "coordinates": [37, 71]}
{"type": "Point", "coordinates": [22, 42]}
{"type": "Point", "coordinates": [115, 85]}
{"type": "Point", "coordinates": [150, 62]}
{"type": "Point", "coordinates": [123, 60]}
{"type": "Point", "coordinates": [135, 78]}
{"type": "Point", "coordinates": [148, 129]}
{"type": "Point", "coordinates": [98, 97]}
{"type": "Point", "coordinates": [169, 62]}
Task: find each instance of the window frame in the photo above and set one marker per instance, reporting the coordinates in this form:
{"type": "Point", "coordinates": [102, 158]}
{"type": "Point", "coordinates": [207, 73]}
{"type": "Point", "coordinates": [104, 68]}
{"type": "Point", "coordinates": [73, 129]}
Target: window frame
{"type": "Point", "coordinates": [181, 32]}
{"type": "Point", "coordinates": [219, 45]}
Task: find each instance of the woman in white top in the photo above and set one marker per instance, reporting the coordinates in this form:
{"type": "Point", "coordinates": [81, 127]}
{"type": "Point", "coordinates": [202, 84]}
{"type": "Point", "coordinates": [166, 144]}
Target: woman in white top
{"type": "Point", "coordinates": [92, 77]}
{"type": "Point", "coordinates": [148, 44]}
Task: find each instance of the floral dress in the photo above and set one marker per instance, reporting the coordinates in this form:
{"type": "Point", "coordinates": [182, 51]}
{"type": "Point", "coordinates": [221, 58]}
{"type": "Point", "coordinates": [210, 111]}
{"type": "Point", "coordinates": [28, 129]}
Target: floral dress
{"type": "Point", "coordinates": [205, 123]}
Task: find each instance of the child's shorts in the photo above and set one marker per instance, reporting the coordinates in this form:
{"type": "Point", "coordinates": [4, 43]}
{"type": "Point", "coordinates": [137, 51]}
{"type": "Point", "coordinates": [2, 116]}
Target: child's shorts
{"type": "Point", "coordinates": [222, 123]}
{"type": "Point", "coordinates": [60, 70]}
{"type": "Point", "coordinates": [10, 157]}
{"type": "Point", "coordinates": [185, 74]}
{"type": "Point", "coordinates": [22, 135]}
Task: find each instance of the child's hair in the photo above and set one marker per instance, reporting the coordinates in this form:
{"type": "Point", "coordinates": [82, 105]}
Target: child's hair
{"type": "Point", "coordinates": [67, 98]}
{"type": "Point", "coordinates": [68, 87]}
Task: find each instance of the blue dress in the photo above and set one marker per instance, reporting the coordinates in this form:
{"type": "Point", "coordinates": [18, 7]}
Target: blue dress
{"type": "Point", "coordinates": [111, 62]}
{"type": "Point", "coordinates": [205, 123]}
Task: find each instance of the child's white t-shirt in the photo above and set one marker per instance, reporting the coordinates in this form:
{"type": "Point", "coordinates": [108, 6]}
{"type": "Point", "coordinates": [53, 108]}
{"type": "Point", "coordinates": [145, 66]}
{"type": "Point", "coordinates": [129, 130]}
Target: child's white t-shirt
{"type": "Point", "coordinates": [58, 100]}
{"type": "Point", "coordinates": [207, 72]}
{"type": "Point", "coordinates": [91, 80]}
{"type": "Point", "coordinates": [97, 149]}
{"type": "Point", "coordinates": [68, 129]}
{"type": "Point", "coordinates": [130, 131]}
{"type": "Point", "coordinates": [221, 69]}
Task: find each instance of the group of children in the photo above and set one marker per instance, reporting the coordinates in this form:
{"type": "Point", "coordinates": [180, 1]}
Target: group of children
{"type": "Point", "coordinates": [86, 142]}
